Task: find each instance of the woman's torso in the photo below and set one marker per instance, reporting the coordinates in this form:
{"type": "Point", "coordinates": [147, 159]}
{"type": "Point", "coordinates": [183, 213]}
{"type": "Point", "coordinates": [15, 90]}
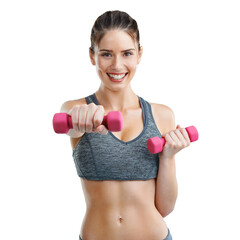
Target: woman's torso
{"type": "Point", "coordinates": [123, 209]}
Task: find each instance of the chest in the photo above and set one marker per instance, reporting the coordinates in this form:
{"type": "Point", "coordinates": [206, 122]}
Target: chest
{"type": "Point", "coordinates": [132, 127]}
{"type": "Point", "coordinates": [134, 124]}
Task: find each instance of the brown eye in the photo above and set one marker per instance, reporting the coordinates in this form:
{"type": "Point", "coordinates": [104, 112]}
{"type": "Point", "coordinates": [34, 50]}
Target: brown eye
{"type": "Point", "coordinates": [128, 53]}
{"type": "Point", "coordinates": [106, 55]}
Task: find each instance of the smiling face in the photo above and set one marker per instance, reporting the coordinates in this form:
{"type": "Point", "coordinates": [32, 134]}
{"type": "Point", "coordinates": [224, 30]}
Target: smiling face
{"type": "Point", "coordinates": [116, 58]}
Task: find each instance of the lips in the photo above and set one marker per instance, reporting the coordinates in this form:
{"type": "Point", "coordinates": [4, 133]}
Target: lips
{"type": "Point", "coordinates": [117, 77]}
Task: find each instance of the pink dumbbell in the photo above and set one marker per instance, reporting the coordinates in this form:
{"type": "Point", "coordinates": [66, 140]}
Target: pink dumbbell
{"type": "Point", "coordinates": [113, 121]}
{"type": "Point", "coordinates": [155, 144]}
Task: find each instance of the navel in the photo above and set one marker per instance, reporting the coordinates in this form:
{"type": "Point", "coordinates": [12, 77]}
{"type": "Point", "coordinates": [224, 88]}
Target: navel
{"type": "Point", "coordinates": [120, 219]}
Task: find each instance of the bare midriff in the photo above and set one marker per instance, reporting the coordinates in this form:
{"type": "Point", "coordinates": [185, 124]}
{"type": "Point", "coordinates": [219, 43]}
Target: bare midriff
{"type": "Point", "coordinates": [117, 210]}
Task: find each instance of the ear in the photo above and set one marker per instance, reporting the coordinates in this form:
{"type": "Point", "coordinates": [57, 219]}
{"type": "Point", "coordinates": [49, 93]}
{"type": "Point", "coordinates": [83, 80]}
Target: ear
{"type": "Point", "coordinates": [92, 57]}
{"type": "Point", "coordinates": [140, 54]}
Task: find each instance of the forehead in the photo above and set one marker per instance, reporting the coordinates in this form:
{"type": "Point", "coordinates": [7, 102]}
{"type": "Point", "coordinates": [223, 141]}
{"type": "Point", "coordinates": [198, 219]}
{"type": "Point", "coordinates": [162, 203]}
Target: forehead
{"type": "Point", "coordinates": [117, 39]}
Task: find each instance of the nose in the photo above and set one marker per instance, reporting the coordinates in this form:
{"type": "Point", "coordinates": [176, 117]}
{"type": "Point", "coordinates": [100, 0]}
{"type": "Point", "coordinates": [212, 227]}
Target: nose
{"type": "Point", "coordinates": [117, 63]}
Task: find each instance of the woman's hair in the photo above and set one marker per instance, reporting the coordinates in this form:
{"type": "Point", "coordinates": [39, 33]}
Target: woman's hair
{"type": "Point", "coordinates": [113, 20]}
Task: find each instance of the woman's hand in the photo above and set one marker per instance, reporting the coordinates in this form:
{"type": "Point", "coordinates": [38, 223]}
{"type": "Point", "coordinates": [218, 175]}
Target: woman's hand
{"type": "Point", "coordinates": [176, 140]}
{"type": "Point", "coordinates": [88, 118]}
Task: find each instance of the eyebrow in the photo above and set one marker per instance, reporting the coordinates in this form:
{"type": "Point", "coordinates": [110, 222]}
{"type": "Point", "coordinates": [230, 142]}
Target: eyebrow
{"type": "Point", "coordinates": [106, 50]}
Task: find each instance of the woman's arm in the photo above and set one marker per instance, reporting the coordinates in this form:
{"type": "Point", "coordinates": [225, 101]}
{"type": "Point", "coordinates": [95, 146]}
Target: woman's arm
{"type": "Point", "coordinates": [166, 186]}
{"type": "Point", "coordinates": [166, 182]}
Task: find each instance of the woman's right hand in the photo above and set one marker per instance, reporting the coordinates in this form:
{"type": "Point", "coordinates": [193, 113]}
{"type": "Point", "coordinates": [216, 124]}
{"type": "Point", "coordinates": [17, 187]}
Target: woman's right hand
{"type": "Point", "coordinates": [88, 118]}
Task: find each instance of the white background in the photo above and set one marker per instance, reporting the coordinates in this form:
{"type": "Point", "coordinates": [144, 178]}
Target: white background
{"type": "Point", "coordinates": [190, 63]}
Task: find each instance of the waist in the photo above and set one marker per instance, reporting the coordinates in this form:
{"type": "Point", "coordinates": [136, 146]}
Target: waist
{"type": "Point", "coordinates": [128, 222]}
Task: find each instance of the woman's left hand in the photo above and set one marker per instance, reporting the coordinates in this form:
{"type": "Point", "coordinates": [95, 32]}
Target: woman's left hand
{"type": "Point", "coordinates": [176, 140]}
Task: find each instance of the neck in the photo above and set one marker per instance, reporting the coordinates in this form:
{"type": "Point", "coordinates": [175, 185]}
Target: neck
{"type": "Point", "coordinates": [117, 100]}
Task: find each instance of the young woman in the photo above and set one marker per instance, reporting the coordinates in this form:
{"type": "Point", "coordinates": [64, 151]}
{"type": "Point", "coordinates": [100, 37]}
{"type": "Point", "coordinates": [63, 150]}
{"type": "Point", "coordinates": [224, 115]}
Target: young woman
{"type": "Point", "coordinates": [128, 191]}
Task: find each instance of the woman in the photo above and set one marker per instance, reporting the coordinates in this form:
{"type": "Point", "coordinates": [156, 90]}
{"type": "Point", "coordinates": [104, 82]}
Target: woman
{"type": "Point", "coordinates": [128, 191]}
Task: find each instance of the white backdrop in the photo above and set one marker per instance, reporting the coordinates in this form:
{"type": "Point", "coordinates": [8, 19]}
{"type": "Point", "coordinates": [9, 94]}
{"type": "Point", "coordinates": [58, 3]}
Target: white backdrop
{"type": "Point", "coordinates": [190, 63]}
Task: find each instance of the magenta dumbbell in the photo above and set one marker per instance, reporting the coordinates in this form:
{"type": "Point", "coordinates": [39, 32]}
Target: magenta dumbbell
{"type": "Point", "coordinates": [113, 121]}
{"type": "Point", "coordinates": [155, 144]}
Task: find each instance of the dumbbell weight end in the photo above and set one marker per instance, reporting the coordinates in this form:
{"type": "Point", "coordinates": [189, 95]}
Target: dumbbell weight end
{"type": "Point", "coordinates": [62, 122]}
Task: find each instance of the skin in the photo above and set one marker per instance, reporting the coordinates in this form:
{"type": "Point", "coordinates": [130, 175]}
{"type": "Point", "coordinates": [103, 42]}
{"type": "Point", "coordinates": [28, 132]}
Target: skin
{"type": "Point", "coordinates": [113, 95]}
{"type": "Point", "coordinates": [129, 210]}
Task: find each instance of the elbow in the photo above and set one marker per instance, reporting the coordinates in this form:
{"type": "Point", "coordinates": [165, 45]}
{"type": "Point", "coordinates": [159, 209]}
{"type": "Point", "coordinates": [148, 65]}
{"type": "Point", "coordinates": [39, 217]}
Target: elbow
{"type": "Point", "coordinates": [166, 210]}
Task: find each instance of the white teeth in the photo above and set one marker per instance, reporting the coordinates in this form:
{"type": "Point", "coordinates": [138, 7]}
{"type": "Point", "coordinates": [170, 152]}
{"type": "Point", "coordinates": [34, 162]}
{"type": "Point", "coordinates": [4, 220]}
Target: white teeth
{"type": "Point", "coordinates": [116, 76]}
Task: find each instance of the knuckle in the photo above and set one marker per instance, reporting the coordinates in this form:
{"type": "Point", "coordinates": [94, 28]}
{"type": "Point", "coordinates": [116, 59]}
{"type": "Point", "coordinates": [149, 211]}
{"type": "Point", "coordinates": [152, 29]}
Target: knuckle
{"type": "Point", "coordinates": [92, 105]}
{"type": "Point", "coordinates": [74, 109]}
{"type": "Point", "coordinates": [100, 107]}
{"type": "Point", "coordinates": [81, 124]}
{"type": "Point", "coordinates": [83, 107]}
{"type": "Point", "coordinates": [82, 127]}
{"type": "Point", "coordinates": [89, 125]}
{"type": "Point", "coordinates": [177, 130]}
{"type": "Point", "coordinates": [184, 145]}
{"type": "Point", "coordinates": [172, 144]}
{"type": "Point", "coordinates": [97, 122]}
{"type": "Point", "coordinates": [179, 145]}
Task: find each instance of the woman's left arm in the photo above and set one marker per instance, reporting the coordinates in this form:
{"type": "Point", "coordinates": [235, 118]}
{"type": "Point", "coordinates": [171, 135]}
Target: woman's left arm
{"type": "Point", "coordinates": [166, 182]}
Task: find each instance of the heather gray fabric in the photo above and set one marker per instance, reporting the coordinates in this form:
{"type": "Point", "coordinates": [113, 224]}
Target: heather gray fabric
{"type": "Point", "coordinates": [168, 237]}
{"type": "Point", "coordinates": [105, 157]}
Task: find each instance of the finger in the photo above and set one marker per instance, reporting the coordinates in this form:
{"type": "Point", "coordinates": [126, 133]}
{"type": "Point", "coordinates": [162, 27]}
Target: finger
{"type": "Point", "coordinates": [185, 135]}
{"type": "Point", "coordinates": [82, 117]}
{"type": "Point", "coordinates": [175, 137]}
{"type": "Point", "coordinates": [89, 118]}
{"type": "Point", "coordinates": [102, 129]}
{"type": "Point", "coordinates": [98, 116]}
{"type": "Point", "coordinates": [105, 130]}
{"type": "Point", "coordinates": [182, 140]}
{"type": "Point", "coordinates": [75, 114]}
{"type": "Point", "coordinates": [169, 140]}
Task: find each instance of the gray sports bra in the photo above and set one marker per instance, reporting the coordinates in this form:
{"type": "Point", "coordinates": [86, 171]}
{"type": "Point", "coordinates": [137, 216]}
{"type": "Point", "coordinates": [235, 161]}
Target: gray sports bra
{"type": "Point", "coordinates": [105, 157]}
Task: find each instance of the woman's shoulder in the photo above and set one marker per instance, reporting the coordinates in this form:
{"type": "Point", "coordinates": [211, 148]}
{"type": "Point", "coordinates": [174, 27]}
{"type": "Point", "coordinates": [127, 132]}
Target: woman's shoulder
{"type": "Point", "coordinates": [66, 106]}
{"type": "Point", "coordinates": [163, 116]}
{"type": "Point", "coordinates": [162, 109]}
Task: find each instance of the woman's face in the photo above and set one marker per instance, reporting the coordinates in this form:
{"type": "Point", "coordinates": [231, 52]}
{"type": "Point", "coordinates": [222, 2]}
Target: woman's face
{"type": "Point", "coordinates": [116, 58]}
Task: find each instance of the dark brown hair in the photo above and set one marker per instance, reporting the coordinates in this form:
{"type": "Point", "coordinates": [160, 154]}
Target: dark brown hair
{"type": "Point", "coordinates": [112, 20]}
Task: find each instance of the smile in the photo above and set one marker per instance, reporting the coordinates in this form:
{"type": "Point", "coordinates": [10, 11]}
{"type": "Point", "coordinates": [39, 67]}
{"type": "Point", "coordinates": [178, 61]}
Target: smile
{"type": "Point", "coordinates": [117, 77]}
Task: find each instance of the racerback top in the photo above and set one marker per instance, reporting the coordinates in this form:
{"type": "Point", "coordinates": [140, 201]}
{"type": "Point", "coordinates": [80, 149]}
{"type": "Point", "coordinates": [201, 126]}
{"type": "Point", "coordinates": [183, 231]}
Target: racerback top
{"type": "Point", "coordinates": [105, 157]}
